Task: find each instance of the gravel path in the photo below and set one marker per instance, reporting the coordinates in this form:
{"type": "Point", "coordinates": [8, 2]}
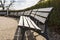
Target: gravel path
{"type": "Point", "coordinates": [7, 28]}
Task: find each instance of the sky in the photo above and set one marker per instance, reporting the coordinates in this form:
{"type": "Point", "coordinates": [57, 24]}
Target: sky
{"type": "Point", "coordinates": [21, 4]}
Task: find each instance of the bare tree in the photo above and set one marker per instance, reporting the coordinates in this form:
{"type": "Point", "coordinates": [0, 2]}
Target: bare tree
{"type": "Point", "coordinates": [3, 3]}
{"type": "Point", "coordinates": [7, 7]}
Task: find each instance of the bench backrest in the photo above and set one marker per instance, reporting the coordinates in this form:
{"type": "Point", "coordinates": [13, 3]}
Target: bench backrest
{"type": "Point", "coordinates": [2, 13]}
{"type": "Point", "coordinates": [27, 12]}
{"type": "Point", "coordinates": [41, 14]}
{"type": "Point", "coordinates": [16, 13]}
{"type": "Point", "coordinates": [44, 9]}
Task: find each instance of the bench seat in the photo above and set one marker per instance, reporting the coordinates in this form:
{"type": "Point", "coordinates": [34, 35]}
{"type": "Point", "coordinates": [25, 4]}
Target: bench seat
{"type": "Point", "coordinates": [28, 23]}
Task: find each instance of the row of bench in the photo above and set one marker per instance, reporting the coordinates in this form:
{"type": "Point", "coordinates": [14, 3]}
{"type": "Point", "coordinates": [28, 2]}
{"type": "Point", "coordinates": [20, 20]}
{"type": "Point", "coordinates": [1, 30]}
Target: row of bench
{"type": "Point", "coordinates": [21, 13]}
{"type": "Point", "coordinates": [2, 13]}
{"type": "Point", "coordinates": [34, 20]}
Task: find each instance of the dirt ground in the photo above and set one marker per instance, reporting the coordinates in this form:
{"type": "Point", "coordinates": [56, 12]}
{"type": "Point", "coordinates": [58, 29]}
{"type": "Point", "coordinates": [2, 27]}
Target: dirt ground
{"type": "Point", "coordinates": [8, 28]}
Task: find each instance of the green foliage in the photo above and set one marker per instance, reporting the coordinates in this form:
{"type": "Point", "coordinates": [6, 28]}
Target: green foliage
{"type": "Point", "coordinates": [54, 18]}
{"type": "Point", "coordinates": [55, 15]}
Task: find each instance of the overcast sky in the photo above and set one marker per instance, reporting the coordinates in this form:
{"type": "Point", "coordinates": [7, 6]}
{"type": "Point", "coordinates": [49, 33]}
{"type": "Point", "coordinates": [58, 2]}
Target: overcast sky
{"type": "Point", "coordinates": [21, 4]}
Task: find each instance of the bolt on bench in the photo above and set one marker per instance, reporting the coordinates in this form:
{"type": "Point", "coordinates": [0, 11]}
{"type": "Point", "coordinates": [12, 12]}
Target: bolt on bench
{"type": "Point", "coordinates": [35, 20]}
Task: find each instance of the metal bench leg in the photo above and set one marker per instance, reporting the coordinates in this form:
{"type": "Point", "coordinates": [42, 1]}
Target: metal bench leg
{"type": "Point", "coordinates": [46, 32]}
{"type": "Point", "coordinates": [45, 35]}
{"type": "Point", "coordinates": [23, 33]}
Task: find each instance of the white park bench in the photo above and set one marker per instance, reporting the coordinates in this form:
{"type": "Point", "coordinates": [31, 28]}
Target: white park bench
{"type": "Point", "coordinates": [2, 13]}
{"type": "Point", "coordinates": [37, 16]}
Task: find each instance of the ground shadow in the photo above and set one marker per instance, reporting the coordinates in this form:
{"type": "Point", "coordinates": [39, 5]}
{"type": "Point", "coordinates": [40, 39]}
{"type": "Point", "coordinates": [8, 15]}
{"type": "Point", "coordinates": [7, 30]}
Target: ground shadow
{"type": "Point", "coordinates": [28, 35]}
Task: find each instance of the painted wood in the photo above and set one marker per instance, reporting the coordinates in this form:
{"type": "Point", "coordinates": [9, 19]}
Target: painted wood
{"type": "Point", "coordinates": [41, 19]}
{"type": "Point", "coordinates": [30, 24]}
{"type": "Point", "coordinates": [46, 9]}
{"type": "Point", "coordinates": [34, 25]}
{"type": "Point", "coordinates": [42, 14]}
{"type": "Point", "coordinates": [21, 21]}
{"type": "Point", "coordinates": [25, 22]}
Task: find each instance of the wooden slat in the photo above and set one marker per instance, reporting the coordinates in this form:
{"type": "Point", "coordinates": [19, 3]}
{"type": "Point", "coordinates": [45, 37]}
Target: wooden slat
{"type": "Point", "coordinates": [41, 19]}
{"type": "Point", "coordinates": [42, 14]}
{"type": "Point", "coordinates": [11, 13]}
{"type": "Point", "coordinates": [31, 26]}
{"type": "Point", "coordinates": [3, 13]}
{"type": "Point", "coordinates": [27, 12]}
{"type": "Point", "coordinates": [33, 12]}
{"type": "Point", "coordinates": [32, 15]}
{"type": "Point", "coordinates": [34, 25]}
{"type": "Point", "coordinates": [21, 13]}
{"type": "Point", "coordinates": [21, 21]}
{"type": "Point", "coordinates": [15, 13]}
{"type": "Point", "coordinates": [35, 9]}
{"type": "Point", "coordinates": [25, 22]}
{"type": "Point", "coordinates": [45, 9]}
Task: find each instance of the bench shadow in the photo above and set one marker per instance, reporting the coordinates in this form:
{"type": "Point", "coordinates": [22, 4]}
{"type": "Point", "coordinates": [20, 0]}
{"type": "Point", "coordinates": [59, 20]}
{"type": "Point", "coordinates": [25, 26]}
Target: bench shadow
{"type": "Point", "coordinates": [27, 36]}
{"type": "Point", "coordinates": [30, 35]}
{"type": "Point", "coordinates": [17, 35]}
